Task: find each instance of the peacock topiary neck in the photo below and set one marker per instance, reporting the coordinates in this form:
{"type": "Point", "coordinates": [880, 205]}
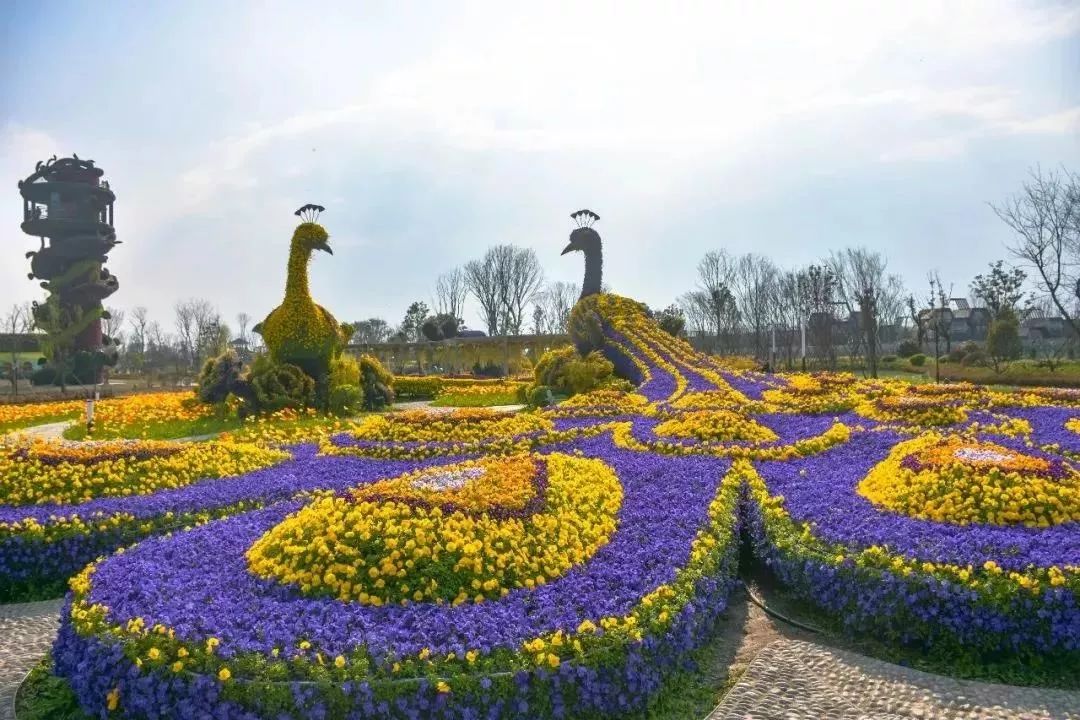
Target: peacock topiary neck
{"type": "Point", "coordinates": [593, 281]}
{"type": "Point", "coordinates": [296, 282]}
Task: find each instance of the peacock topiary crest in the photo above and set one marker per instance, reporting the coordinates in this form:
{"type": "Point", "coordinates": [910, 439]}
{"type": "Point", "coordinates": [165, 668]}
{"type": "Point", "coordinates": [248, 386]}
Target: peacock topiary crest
{"type": "Point", "coordinates": [299, 331]}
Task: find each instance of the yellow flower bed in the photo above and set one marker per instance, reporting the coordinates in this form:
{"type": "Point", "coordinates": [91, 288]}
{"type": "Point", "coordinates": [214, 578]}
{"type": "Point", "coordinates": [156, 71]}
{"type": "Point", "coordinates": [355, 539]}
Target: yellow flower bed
{"type": "Point", "coordinates": [13, 415]}
{"type": "Point", "coordinates": [396, 552]}
{"type": "Point", "coordinates": [716, 426]}
{"type": "Point", "coordinates": [965, 481]}
{"type": "Point", "coordinates": [913, 409]}
{"type": "Point", "coordinates": [814, 394]}
{"type": "Point", "coordinates": [710, 400]}
{"type": "Point", "coordinates": [473, 485]}
{"type": "Point", "coordinates": [288, 427]}
{"type": "Point", "coordinates": [116, 416]}
{"type": "Point", "coordinates": [54, 472]}
{"type": "Point", "coordinates": [466, 425]}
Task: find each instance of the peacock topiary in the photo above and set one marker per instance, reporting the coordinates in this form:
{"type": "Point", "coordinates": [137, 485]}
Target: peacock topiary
{"type": "Point", "coordinates": [299, 331]}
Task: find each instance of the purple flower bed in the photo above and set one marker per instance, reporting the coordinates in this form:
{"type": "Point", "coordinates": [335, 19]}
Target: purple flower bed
{"type": "Point", "coordinates": [664, 507]}
{"type": "Point", "coordinates": [597, 640]}
{"type": "Point", "coordinates": [40, 559]}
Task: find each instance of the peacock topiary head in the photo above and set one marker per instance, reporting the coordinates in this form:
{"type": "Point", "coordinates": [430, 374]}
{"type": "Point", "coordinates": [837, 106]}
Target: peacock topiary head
{"type": "Point", "coordinates": [311, 236]}
{"type": "Point", "coordinates": [583, 239]}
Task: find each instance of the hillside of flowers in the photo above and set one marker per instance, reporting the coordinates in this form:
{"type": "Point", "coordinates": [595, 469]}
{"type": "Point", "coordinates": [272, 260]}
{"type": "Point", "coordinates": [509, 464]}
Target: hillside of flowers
{"type": "Point", "coordinates": [561, 562]}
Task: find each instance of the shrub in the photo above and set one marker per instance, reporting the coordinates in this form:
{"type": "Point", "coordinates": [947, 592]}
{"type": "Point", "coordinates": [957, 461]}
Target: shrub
{"type": "Point", "coordinates": [888, 359]}
{"type": "Point", "coordinates": [489, 369]}
{"type": "Point", "coordinates": [1003, 343]}
{"type": "Point", "coordinates": [220, 376]}
{"type": "Point", "coordinates": [918, 360]}
{"type": "Point", "coordinates": [344, 371]}
{"type": "Point", "coordinates": [907, 348]}
{"type": "Point", "coordinates": [567, 373]}
{"type": "Point", "coordinates": [425, 387]}
{"type": "Point", "coordinates": [974, 359]}
{"type": "Point", "coordinates": [376, 382]}
{"type": "Point", "coordinates": [345, 400]}
{"type": "Point", "coordinates": [47, 375]}
{"type": "Point", "coordinates": [274, 386]}
{"type": "Point", "coordinates": [957, 355]}
{"type": "Point", "coordinates": [539, 395]}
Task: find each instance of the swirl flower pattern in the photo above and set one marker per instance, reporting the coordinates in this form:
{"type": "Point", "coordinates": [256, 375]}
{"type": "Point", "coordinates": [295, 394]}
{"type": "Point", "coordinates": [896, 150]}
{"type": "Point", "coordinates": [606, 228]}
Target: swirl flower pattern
{"type": "Point", "coordinates": [566, 561]}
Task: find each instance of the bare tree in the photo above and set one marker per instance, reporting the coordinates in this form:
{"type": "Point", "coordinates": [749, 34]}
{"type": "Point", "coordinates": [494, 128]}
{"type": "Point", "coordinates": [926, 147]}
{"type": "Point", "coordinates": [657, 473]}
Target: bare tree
{"type": "Point", "coordinates": [554, 303]}
{"type": "Point", "coordinates": [862, 282]}
{"type": "Point", "coordinates": [371, 331]}
{"type": "Point", "coordinates": [504, 282]}
{"type": "Point", "coordinates": [519, 278]}
{"type": "Point", "coordinates": [113, 325]}
{"type": "Point", "coordinates": [716, 277]}
{"type": "Point", "coordinates": [1045, 215]}
{"type": "Point", "coordinates": [19, 319]}
{"type": "Point", "coordinates": [198, 327]}
{"type": "Point", "coordinates": [480, 277]}
{"type": "Point", "coordinates": [136, 351]}
{"type": "Point", "coordinates": [818, 292]}
{"type": "Point", "coordinates": [451, 289]}
{"type": "Point", "coordinates": [242, 322]}
{"type": "Point", "coordinates": [695, 306]}
{"type": "Point", "coordinates": [755, 294]}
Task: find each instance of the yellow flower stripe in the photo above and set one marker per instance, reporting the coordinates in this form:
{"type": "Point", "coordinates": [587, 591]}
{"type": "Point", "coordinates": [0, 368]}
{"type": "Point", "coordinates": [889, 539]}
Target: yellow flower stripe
{"type": "Point", "coordinates": [963, 481]}
{"type": "Point", "coordinates": [391, 552]}
{"type": "Point", "coordinates": [26, 480]}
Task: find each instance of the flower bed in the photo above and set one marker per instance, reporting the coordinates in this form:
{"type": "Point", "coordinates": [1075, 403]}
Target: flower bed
{"type": "Point", "coordinates": [902, 573]}
{"type": "Point", "coordinates": [564, 562]}
{"type": "Point", "coordinates": [598, 638]}
{"type": "Point", "coordinates": [61, 506]}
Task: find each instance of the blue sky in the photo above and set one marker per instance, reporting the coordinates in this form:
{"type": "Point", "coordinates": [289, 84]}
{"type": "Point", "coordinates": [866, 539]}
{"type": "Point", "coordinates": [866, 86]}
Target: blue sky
{"type": "Point", "coordinates": [433, 130]}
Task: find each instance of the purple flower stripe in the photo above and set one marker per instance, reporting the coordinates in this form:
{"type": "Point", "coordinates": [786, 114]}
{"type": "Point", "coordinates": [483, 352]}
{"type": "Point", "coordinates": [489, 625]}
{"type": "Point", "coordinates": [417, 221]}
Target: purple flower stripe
{"type": "Point", "coordinates": [822, 489]}
{"type": "Point", "coordinates": [664, 504]}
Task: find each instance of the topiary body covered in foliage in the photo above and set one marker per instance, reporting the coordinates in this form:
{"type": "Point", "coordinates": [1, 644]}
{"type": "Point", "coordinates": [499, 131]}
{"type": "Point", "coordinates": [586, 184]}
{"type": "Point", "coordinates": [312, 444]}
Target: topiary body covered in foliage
{"type": "Point", "coordinates": [274, 386]}
{"type": "Point", "coordinates": [220, 376]}
{"type": "Point", "coordinates": [566, 373]}
{"type": "Point", "coordinates": [376, 382]}
{"type": "Point", "coordinates": [300, 332]}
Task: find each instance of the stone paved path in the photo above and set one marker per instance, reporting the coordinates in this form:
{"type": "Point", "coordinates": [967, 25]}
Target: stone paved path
{"type": "Point", "coordinates": [800, 680]}
{"type": "Point", "coordinates": [426, 405]}
{"type": "Point", "coordinates": [51, 431]}
{"type": "Point", "coordinates": [27, 631]}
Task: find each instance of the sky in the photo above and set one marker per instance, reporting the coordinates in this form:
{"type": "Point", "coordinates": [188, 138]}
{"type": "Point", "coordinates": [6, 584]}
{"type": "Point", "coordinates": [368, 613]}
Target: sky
{"type": "Point", "coordinates": [431, 131]}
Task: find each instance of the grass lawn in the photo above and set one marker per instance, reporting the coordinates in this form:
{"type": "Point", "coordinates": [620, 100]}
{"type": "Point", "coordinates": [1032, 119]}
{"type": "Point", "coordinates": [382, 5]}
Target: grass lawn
{"type": "Point", "coordinates": [160, 430]}
{"type": "Point", "coordinates": [471, 400]}
{"type": "Point", "coordinates": [39, 420]}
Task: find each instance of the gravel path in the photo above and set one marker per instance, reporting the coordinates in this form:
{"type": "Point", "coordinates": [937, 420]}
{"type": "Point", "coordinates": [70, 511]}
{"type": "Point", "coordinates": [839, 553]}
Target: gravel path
{"type": "Point", "coordinates": [27, 631]}
{"type": "Point", "coordinates": [800, 680]}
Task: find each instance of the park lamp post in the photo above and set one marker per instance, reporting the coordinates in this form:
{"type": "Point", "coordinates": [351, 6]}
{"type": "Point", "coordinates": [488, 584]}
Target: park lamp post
{"type": "Point", "coordinates": [942, 318]}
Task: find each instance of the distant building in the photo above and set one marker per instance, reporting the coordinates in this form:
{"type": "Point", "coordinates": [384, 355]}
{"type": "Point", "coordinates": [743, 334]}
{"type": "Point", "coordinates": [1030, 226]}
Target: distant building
{"type": "Point", "coordinates": [968, 324]}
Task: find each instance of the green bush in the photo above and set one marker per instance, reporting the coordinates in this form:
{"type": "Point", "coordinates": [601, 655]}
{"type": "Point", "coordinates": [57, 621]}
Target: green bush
{"type": "Point", "coordinates": [976, 358]}
{"type": "Point", "coordinates": [565, 372]}
{"type": "Point", "coordinates": [376, 382]}
{"type": "Point", "coordinates": [273, 386]}
{"type": "Point", "coordinates": [425, 387]}
{"type": "Point", "coordinates": [220, 376]}
{"type": "Point", "coordinates": [539, 395]}
{"type": "Point", "coordinates": [888, 359]}
{"type": "Point", "coordinates": [918, 360]}
{"type": "Point", "coordinates": [1003, 343]}
{"type": "Point", "coordinates": [48, 375]}
{"type": "Point", "coordinates": [344, 371]}
{"type": "Point", "coordinates": [907, 348]}
{"type": "Point", "coordinates": [345, 400]}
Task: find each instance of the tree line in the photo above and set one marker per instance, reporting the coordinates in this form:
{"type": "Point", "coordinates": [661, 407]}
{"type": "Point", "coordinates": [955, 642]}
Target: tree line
{"type": "Point", "coordinates": [848, 303]}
